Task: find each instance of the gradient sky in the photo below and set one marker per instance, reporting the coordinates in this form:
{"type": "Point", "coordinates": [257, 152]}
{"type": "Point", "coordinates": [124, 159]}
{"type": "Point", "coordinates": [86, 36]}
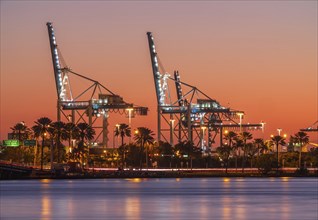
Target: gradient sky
{"type": "Point", "coordinates": [259, 57]}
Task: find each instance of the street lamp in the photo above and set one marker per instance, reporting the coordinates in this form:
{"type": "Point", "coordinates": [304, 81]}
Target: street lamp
{"type": "Point", "coordinates": [279, 130]}
{"type": "Point", "coordinates": [240, 114]}
{"type": "Point", "coordinates": [263, 126]}
{"type": "Point", "coordinates": [202, 137]}
{"type": "Point", "coordinates": [72, 145]}
{"type": "Point", "coordinates": [285, 136]}
{"type": "Point", "coordinates": [171, 131]}
{"type": "Point", "coordinates": [116, 129]}
{"type": "Point", "coordinates": [117, 126]}
{"type": "Point", "coordinates": [44, 136]}
{"type": "Point", "coordinates": [105, 152]}
{"type": "Point", "coordinates": [279, 140]}
{"type": "Point", "coordinates": [129, 114]}
{"type": "Point", "coordinates": [129, 119]}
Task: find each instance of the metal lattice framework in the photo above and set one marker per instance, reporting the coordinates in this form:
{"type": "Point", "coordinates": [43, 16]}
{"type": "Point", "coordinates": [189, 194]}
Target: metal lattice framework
{"type": "Point", "coordinates": [92, 104]}
{"type": "Point", "coordinates": [192, 110]}
{"type": "Point", "coordinates": [312, 128]}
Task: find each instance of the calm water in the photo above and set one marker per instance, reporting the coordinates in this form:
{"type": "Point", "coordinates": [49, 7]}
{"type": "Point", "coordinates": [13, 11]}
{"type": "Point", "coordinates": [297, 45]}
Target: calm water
{"type": "Point", "coordinates": [197, 198]}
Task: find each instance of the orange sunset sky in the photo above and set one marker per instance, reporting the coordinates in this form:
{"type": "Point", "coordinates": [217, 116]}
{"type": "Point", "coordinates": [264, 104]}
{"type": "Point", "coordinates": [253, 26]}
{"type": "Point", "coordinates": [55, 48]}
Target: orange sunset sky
{"type": "Point", "coordinates": [255, 56]}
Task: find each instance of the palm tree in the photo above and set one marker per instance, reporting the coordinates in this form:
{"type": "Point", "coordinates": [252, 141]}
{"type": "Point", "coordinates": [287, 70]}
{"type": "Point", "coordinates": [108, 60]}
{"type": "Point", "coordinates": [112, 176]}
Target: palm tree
{"type": "Point", "coordinates": [224, 152]}
{"type": "Point", "coordinates": [165, 148]}
{"type": "Point", "coordinates": [58, 133]}
{"type": "Point", "coordinates": [237, 146]}
{"type": "Point", "coordinates": [231, 137]}
{"type": "Point", "coordinates": [20, 131]}
{"type": "Point", "coordinates": [123, 130]}
{"type": "Point", "coordinates": [278, 140]}
{"type": "Point", "coordinates": [143, 137]}
{"type": "Point", "coordinates": [71, 132]}
{"type": "Point", "coordinates": [187, 148]}
{"type": "Point", "coordinates": [166, 151]}
{"type": "Point", "coordinates": [251, 150]}
{"type": "Point", "coordinates": [261, 147]}
{"type": "Point", "coordinates": [85, 133]}
{"type": "Point", "coordinates": [40, 130]}
{"type": "Point", "coordinates": [269, 146]}
{"type": "Point", "coordinates": [245, 136]}
{"type": "Point", "coordinates": [302, 139]}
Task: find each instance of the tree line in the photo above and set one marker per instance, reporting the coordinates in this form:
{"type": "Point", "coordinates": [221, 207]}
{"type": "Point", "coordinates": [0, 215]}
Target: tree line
{"type": "Point", "coordinates": [61, 142]}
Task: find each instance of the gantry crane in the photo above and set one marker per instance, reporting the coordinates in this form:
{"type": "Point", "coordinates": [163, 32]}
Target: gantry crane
{"type": "Point", "coordinates": [312, 128]}
{"type": "Point", "coordinates": [92, 103]}
{"type": "Point", "coordinates": [193, 110]}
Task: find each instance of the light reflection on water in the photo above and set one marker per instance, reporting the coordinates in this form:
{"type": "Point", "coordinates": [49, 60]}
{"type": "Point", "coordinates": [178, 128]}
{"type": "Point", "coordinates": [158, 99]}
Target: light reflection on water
{"type": "Point", "coordinates": [132, 207]}
{"type": "Point", "coordinates": [193, 198]}
{"type": "Point", "coordinates": [46, 207]}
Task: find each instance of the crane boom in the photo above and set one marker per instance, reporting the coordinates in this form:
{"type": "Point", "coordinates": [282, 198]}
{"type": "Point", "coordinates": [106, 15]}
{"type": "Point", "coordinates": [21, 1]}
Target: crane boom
{"type": "Point", "coordinates": [58, 74]}
{"type": "Point", "coordinates": [158, 77]}
{"type": "Point", "coordinates": [193, 111]}
{"type": "Point", "coordinates": [312, 128]}
{"type": "Point", "coordinates": [178, 88]}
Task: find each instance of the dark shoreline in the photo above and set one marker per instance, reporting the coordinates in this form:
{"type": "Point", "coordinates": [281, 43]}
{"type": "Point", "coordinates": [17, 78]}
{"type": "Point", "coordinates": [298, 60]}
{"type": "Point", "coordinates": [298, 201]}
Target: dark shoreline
{"type": "Point", "coordinates": [153, 174]}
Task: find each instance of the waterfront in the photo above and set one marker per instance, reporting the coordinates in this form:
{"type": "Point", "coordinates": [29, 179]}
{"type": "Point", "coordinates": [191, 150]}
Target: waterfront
{"type": "Point", "coordinates": [171, 198]}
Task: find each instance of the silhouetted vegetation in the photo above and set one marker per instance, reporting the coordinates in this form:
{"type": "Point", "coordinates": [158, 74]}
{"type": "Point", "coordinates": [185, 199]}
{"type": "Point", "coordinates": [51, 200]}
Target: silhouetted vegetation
{"type": "Point", "coordinates": [60, 142]}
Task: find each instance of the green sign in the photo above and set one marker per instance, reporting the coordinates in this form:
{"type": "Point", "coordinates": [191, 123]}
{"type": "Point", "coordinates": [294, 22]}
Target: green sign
{"type": "Point", "coordinates": [29, 142]}
{"type": "Point", "coordinates": [11, 143]}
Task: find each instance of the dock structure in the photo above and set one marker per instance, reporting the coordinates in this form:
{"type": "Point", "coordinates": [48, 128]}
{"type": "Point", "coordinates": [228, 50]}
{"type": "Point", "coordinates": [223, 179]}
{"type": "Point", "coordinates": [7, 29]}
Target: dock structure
{"type": "Point", "coordinates": [92, 104]}
{"type": "Point", "coordinates": [190, 114]}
